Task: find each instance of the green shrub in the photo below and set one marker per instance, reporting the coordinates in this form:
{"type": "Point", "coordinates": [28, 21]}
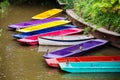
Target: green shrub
{"type": "Point", "coordinates": [3, 6]}
{"type": "Point", "coordinates": [63, 1]}
{"type": "Point", "coordinates": [69, 3]}
{"type": "Point", "coordinates": [103, 13]}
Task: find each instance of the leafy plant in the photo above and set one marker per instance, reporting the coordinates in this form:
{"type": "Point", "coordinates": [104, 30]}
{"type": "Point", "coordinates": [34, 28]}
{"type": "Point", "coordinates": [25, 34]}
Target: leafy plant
{"type": "Point", "coordinates": [87, 30]}
{"type": "Point", "coordinates": [69, 3]}
{"type": "Point", "coordinates": [103, 13]}
{"type": "Point", "coordinates": [3, 7]}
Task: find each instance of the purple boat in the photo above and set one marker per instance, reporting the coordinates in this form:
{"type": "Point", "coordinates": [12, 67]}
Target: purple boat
{"type": "Point", "coordinates": [34, 22]}
{"type": "Point", "coordinates": [76, 50]}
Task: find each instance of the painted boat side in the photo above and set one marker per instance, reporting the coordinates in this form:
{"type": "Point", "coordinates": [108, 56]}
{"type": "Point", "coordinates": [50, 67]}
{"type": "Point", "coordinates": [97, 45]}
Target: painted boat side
{"type": "Point", "coordinates": [55, 61]}
{"type": "Point", "coordinates": [56, 28]}
{"type": "Point", "coordinates": [47, 14]}
{"type": "Point", "coordinates": [76, 49]}
{"type": "Point", "coordinates": [79, 67]}
{"type": "Point", "coordinates": [34, 39]}
{"type": "Point", "coordinates": [43, 41]}
{"type": "Point", "coordinates": [43, 26]}
{"type": "Point", "coordinates": [63, 40]}
{"type": "Point", "coordinates": [34, 22]}
{"type": "Point", "coordinates": [68, 38]}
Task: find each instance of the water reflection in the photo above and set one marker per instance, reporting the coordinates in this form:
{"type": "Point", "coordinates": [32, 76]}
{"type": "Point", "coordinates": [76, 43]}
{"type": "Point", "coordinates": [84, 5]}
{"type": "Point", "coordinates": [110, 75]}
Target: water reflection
{"type": "Point", "coordinates": [51, 48]}
{"type": "Point", "coordinates": [93, 76]}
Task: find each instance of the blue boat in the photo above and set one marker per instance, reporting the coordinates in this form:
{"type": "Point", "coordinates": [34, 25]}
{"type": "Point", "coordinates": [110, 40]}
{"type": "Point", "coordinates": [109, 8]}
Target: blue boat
{"type": "Point", "coordinates": [81, 67]}
{"type": "Point", "coordinates": [42, 31]}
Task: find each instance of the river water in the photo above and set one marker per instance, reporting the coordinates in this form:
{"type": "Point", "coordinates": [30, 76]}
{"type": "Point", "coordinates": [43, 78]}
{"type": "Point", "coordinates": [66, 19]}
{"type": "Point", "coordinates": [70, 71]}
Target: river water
{"type": "Point", "coordinates": [23, 62]}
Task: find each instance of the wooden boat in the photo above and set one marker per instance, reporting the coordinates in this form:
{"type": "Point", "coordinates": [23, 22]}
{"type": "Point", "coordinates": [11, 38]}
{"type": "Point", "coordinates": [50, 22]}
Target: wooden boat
{"type": "Point", "coordinates": [33, 40]}
{"type": "Point", "coordinates": [43, 26]}
{"type": "Point", "coordinates": [55, 61]}
{"type": "Point", "coordinates": [42, 31]}
{"type": "Point", "coordinates": [81, 67]}
{"type": "Point", "coordinates": [77, 49]}
{"type": "Point", "coordinates": [47, 14]}
{"type": "Point", "coordinates": [63, 40]}
{"type": "Point", "coordinates": [34, 22]}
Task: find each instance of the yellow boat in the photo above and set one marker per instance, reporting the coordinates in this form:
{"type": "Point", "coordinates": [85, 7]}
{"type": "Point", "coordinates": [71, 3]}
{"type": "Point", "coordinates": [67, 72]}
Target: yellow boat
{"type": "Point", "coordinates": [43, 26]}
{"type": "Point", "coordinates": [48, 14]}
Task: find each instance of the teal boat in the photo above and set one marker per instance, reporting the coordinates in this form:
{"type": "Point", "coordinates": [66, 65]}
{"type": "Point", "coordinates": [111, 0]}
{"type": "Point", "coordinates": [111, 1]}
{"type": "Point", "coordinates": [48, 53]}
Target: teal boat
{"type": "Point", "coordinates": [81, 67]}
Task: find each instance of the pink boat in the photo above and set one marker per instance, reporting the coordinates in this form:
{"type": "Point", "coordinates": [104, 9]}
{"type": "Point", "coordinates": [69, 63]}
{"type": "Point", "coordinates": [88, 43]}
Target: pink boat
{"type": "Point", "coordinates": [33, 40]}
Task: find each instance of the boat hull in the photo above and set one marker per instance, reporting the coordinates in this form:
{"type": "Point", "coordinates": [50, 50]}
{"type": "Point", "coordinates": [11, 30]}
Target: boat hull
{"type": "Point", "coordinates": [43, 26]}
{"type": "Point", "coordinates": [81, 67]}
{"type": "Point", "coordinates": [69, 37]}
{"type": "Point", "coordinates": [34, 22]}
{"type": "Point", "coordinates": [76, 50]}
{"type": "Point", "coordinates": [63, 40]}
{"type": "Point", "coordinates": [55, 62]}
{"type": "Point", "coordinates": [42, 31]}
{"type": "Point", "coordinates": [33, 40]}
{"type": "Point", "coordinates": [48, 14]}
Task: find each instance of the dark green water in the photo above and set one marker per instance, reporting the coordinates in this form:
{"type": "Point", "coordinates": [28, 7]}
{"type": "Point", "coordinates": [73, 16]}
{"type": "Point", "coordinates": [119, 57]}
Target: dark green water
{"type": "Point", "coordinates": [21, 62]}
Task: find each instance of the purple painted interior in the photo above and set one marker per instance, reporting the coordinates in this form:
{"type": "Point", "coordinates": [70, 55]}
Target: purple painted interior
{"type": "Point", "coordinates": [76, 48]}
{"type": "Point", "coordinates": [35, 22]}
